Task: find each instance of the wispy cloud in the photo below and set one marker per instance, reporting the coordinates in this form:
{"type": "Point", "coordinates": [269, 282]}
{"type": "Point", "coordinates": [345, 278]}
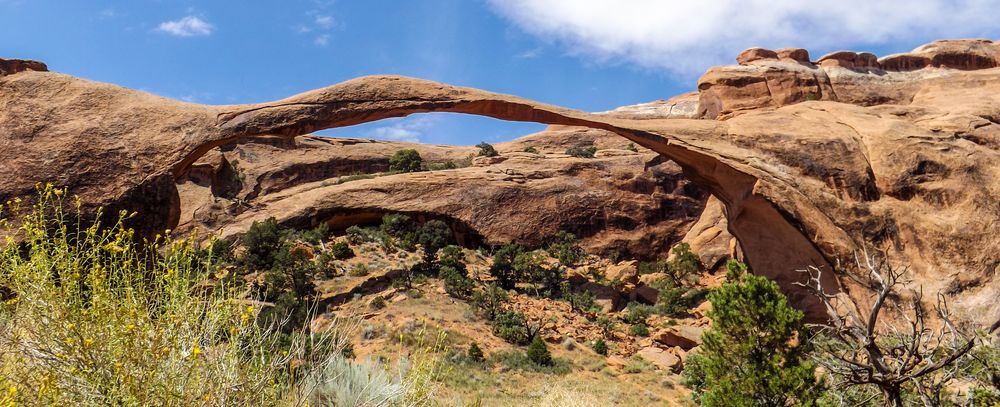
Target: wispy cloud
{"type": "Point", "coordinates": [189, 26]}
{"type": "Point", "coordinates": [531, 53]}
{"type": "Point", "coordinates": [686, 37]}
{"type": "Point", "coordinates": [403, 129]}
{"type": "Point", "coordinates": [322, 40]}
{"type": "Point", "coordinates": [324, 21]}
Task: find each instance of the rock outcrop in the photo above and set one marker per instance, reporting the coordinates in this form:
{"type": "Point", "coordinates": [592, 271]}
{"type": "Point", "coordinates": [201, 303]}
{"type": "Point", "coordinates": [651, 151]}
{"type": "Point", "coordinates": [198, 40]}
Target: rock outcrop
{"type": "Point", "coordinates": [905, 160]}
{"type": "Point", "coordinates": [620, 203]}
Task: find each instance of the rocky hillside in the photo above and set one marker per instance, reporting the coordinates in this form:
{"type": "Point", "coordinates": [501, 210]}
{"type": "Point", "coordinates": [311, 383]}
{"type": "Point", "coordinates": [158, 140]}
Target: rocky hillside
{"type": "Point", "coordinates": [621, 202]}
{"type": "Point", "coordinates": [811, 159]}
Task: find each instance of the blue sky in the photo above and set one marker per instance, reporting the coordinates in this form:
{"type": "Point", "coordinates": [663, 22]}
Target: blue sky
{"type": "Point", "coordinates": [585, 54]}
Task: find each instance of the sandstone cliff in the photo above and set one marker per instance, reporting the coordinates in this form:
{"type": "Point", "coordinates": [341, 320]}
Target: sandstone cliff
{"type": "Point", "coordinates": [809, 159]}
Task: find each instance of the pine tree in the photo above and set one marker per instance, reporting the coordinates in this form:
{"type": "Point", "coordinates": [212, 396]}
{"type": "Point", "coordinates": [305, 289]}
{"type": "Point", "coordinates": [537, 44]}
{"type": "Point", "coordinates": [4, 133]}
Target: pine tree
{"type": "Point", "coordinates": [539, 353]}
{"type": "Point", "coordinates": [755, 353]}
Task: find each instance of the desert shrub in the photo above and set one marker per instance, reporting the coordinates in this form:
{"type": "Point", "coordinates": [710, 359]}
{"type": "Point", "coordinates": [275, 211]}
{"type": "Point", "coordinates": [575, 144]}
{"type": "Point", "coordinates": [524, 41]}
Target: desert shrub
{"type": "Point", "coordinates": [566, 249]}
{"type": "Point", "coordinates": [343, 383]}
{"type": "Point", "coordinates": [539, 353]}
{"type": "Point", "coordinates": [582, 301]}
{"type": "Point", "coordinates": [341, 251]}
{"type": "Point", "coordinates": [502, 268]}
{"type": "Point", "coordinates": [637, 364]}
{"type": "Point", "coordinates": [486, 150]}
{"type": "Point", "coordinates": [677, 301]}
{"type": "Point", "coordinates": [491, 301]}
{"type": "Point", "coordinates": [401, 228]}
{"type": "Point", "coordinates": [531, 150]}
{"type": "Point", "coordinates": [755, 352]}
{"type": "Point", "coordinates": [546, 281]}
{"type": "Point", "coordinates": [683, 266]}
{"type": "Point", "coordinates": [607, 325]}
{"type": "Point", "coordinates": [91, 318]}
{"type": "Point", "coordinates": [600, 347]}
{"type": "Point", "coordinates": [358, 235]}
{"type": "Point", "coordinates": [447, 165]}
{"type": "Point", "coordinates": [433, 235]}
{"type": "Point", "coordinates": [475, 354]}
{"type": "Point", "coordinates": [377, 303]}
{"type": "Point", "coordinates": [456, 283]}
{"type": "Point", "coordinates": [517, 360]}
{"type": "Point", "coordinates": [639, 329]}
{"type": "Point", "coordinates": [631, 147]}
{"type": "Point", "coordinates": [650, 267]}
{"type": "Point", "coordinates": [260, 243]}
{"type": "Point", "coordinates": [637, 313]}
{"type": "Point", "coordinates": [312, 236]}
{"type": "Point", "coordinates": [512, 326]}
{"type": "Point", "coordinates": [405, 160]}
{"type": "Point", "coordinates": [358, 270]}
{"type": "Point", "coordinates": [582, 152]}
{"type": "Point", "coordinates": [452, 256]}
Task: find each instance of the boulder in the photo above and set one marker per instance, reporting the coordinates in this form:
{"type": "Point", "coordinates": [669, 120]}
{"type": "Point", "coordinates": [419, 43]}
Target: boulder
{"type": "Point", "coordinates": [682, 336]}
{"type": "Point", "coordinates": [755, 54]}
{"type": "Point", "coordinates": [662, 359]}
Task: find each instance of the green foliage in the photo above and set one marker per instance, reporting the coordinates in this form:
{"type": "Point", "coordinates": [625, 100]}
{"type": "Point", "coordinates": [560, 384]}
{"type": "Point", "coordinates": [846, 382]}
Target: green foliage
{"type": "Point", "coordinates": [358, 270]}
{"type": "Point", "coordinates": [607, 325]}
{"type": "Point", "coordinates": [517, 360]}
{"type": "Point", "coordinates": [512, 326]}
{"type": "Point", "coordinates": [636, 364]}
{"type": "Point", "coordinates": [677, 301]}
{"type": "Point", "coordinates": [631, 147]}
{"type": "Point", "coordinates": [312, 236]}
{"type": "Point", "coordinates": [401, 228]}
{"type": "Point", "coordinates": [650, 267]}
{"type": "Point", "coordinates": [405, 160]}
{"type": "Point", "coordinates": [341, 251]}
{"type": "Point", "coordinates": [582, 301]}
{"type": "Point", "coordinates": [637, 313]}
{"type": "Point", "coordinates": [531, 150]}
{"type": "Point", "coordinates": [539, 353]}
{"type": "Point", "coordinates": [486, 150]}
{"type": "Point", "coordinates": [639, 330]}
{"type": "Point", "coordinates": [475, 354]}
{"type": "Point", "coordinates": [754, 354]}
{"type": "Point", "coordinates": [566, 249]}
{"type": "Point", "coordinates": [491, 301]}
{"type": "Point", "coordinates": [447, 165]}
{"type": "Point", "coordinates": [581, 152]}
{"type": "Point", "coordinates": [456, 283]}
{"type": "Point", "coordinates": [91, 318]}
{"type": "Point", "coordinates": [358, 235]}
{"type": "Point", "coordinates": [601, 347]}
{"type": "Point", "coordinates": [377, 303]}
{"type": "Point", "coordinates": [433, 235]}
{"type": "Point", "coordinates": [261, 243]}
{"type": "Point", "coordinates": [683, 266]}
{"type": "Point", "coordinates": [452, 256]}
{"type": "Point", "coordinates": [503, 265]}
{"type": "Point", "coordinates": [735, 270]}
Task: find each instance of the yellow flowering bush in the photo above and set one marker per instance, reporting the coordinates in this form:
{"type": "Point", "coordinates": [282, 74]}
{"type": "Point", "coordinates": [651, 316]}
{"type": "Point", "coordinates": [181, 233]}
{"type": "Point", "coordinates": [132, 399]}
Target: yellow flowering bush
{"type": "Point", "coordinates": [90, 316]}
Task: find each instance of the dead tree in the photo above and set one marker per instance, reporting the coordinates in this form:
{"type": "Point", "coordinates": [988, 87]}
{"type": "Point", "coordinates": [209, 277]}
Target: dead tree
{"type": "Point", "coordinates": [864, 349]}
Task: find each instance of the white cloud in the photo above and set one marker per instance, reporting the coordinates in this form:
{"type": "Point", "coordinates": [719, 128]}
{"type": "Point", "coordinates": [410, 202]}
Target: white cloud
{"type": "Point", "coordinates": [686, 36]}
{"type": "Point", "coordinates": [324, 21]}
{"type": "Point", "coordinates": [322, 40]}
{"type": "Point", "coordinates": [189, 26]}
{"type": "Point", "coordinates": [402, 129]}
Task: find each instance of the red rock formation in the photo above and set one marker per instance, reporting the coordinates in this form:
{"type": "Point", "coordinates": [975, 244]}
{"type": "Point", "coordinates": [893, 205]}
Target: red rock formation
{"type": "Point", "coordinates": [907, 159]}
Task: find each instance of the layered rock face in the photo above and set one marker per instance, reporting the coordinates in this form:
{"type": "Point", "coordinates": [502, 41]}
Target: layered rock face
{"type": "Point", "coordinates": [810, 161]}
{"type": "Point", "coordinates": [621, 202]}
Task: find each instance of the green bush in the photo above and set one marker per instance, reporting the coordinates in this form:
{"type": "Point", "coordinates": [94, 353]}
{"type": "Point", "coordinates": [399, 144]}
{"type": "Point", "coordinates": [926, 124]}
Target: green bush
{"type": "Point", "coordinates": [637, 313]}
{"type": "Point", "coordinates": [261, 243]}
{"type": "Point", "coordinates": [358, 270]}
{"type": "Point", "coordinates": [91, 318]}
{"type": "Point", "coordinates": [531, 150]}
{"type": "Point", "coordinates": [358, 235]}
{"type": "Point", "coordinates": [517, 360]}
{"type": "Point", "coordinates": [341, 251]}
{"type": "Point", "coordinates": [486, 150]}
{"type": "Point", "coordinates": [406, 160]}
{"type": "Point", "coordinates": [756, 351]}
{"type": "Point", "coordinates": [491, 301]}
{"type": "Point", "coordinates": [433, 235]}
{"type": "Point", "coordinates": [512, 326]}
{"type": "Point", "coordinates": [475, 354]}
{"type": "Point", "coordinates": [565, 247]}
{"type": "Point", "coordinates": [456, 283]}
{"type": "Point", "coordinates": [639, 329]}
{"type": "Point", "coordinates": [637, 365]}
{"type": "Point", "coordinates": [401, 228]}
{"type": "Point", "coordinates": [539, 353]}
{"type": "Point", "coordinates": [378, 302]}
{"type": "Point", "coordinates": [683, 266]}
{"type": "Point", "coordinates": [581, 152]}
{"type": "Point", "coordinates": [631, 147]}
{"type": "Point", "coordinates": [452, 256]}
{"type": "Point", "coordinates": [502, 268]}
{"type": "Point", "coordinates": [601, 347]}
{"type": "Point", "coordinates": [582, 301]}
{"type": "Point", "coordinates": [607, 325]}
